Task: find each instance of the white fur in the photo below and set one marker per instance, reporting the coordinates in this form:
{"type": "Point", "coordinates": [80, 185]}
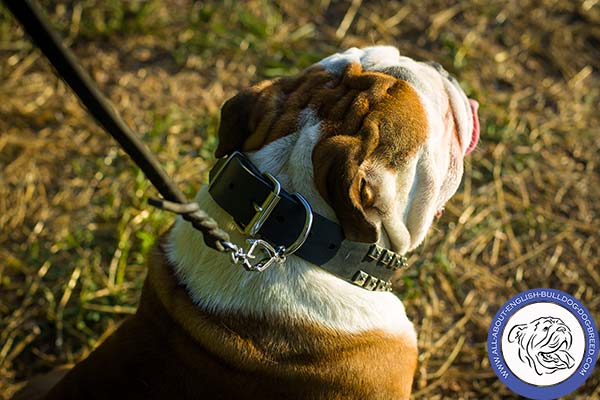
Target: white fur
{"type": "Point", "coordinates": [298, 290]}
{"type": "Point", "coordinates": [295, 290]}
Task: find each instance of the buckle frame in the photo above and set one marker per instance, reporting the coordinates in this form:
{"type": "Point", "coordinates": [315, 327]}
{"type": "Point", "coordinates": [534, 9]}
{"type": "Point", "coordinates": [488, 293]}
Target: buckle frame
{"type": "Point", "coordinates": [262, 211]}
{"type": "Point", "coordinates": [308, 221]}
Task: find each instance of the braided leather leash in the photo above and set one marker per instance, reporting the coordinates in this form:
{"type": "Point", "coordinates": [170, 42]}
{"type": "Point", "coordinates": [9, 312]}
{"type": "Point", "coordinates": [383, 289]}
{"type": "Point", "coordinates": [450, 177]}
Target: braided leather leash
{"type": "Point", "coordinates": [372, 266]}
{"type": "Point", "coordinates": [68, 69]}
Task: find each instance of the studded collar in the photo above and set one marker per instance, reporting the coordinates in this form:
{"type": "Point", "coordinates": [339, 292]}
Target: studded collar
{"type": "Point", "coordinates": [279, 224]}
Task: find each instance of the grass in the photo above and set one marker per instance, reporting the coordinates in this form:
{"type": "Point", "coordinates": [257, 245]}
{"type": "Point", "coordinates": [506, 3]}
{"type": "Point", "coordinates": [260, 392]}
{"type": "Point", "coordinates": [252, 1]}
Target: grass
{"type": "Point", "coordinates": [75, 227]}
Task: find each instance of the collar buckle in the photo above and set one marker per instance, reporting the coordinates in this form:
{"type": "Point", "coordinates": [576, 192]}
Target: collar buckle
{"type": "Point", "coordinates": [258, 248]}
{"type": "Point", "coordinates": [262, 211]}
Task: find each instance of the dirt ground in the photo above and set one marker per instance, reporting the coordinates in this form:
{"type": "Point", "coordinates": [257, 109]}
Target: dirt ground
{"type": "Point", "coordinates": [75, 226]}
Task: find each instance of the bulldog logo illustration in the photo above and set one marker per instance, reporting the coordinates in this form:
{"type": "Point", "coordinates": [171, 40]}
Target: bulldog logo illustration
{"type": "Point", "coordinates": [544, 344]}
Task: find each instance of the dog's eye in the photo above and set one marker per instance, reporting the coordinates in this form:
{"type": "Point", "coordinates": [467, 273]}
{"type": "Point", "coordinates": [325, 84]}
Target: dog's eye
{"type": "Point", "coordinates": [546, 329]}
{"type": "Point", "coordinates": [366, 194]}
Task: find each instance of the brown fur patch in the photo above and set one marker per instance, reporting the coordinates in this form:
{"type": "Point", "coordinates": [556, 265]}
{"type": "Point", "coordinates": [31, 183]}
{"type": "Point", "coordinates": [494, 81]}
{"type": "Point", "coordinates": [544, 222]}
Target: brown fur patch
{"type": "Point", "coordinates": [364, 116]}
{"type": "Point", "coordinates": [171, 349]}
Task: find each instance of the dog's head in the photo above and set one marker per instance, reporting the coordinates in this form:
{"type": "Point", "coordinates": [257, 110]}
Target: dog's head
{"type": "Point", "coordinates": [372, 137]}
{"type": "Point", "coordinates": [544, 344]}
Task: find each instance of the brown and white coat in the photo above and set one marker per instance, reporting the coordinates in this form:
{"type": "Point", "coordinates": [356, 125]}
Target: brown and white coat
{"type": "Point", "coordinates": [374, 141]}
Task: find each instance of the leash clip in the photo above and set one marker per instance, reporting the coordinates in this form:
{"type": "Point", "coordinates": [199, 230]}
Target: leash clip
{"type": "Point", "coordinates": [270, 253]}
{"type": "Point", "coordinates": [267, 256]}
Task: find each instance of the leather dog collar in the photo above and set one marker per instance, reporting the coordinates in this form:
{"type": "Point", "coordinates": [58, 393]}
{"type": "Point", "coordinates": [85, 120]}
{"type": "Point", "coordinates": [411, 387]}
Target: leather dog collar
{"type": "Point", "coordinates": [277, 220]}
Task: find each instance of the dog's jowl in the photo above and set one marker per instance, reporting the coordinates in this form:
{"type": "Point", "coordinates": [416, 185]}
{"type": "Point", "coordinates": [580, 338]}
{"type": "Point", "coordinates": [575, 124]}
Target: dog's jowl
{"type": "Point", "coordinates": [373, 142]}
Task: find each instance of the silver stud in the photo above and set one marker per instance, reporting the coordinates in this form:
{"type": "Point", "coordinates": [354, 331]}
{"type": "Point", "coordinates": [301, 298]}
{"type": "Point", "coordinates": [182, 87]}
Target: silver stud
{"type": "Point", "coordinates": [359, 278]}
{"type": "Point", "coordinates": [381, 286]}
{"type": "Point", "coordinates": [387, 257]}
{"type": "Point", "coordinates": [371, 283]}
{"type": "Point", "coordinates": [403, 261]}
{"type": "Point", "coordinates": [375, 252]}
{"type": "Point", "coordinates": [395, 263]}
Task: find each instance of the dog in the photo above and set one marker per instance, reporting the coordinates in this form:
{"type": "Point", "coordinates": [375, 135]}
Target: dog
{"type": "Point", "coordinates": [367, 145]}
{"type": "Point", "coordinates": [544, 344]}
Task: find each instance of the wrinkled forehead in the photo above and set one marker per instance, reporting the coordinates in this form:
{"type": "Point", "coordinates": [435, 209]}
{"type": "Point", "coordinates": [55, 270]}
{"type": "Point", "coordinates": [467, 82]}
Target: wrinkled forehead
{"type": "Point", "coordinates": [388, 60]}
{"type": "Point", "coordinates": [430, 79]}
{"type": "Point", "coordinates": [439, 91]}
{"type": "Point", "coordinates": [545, 322]}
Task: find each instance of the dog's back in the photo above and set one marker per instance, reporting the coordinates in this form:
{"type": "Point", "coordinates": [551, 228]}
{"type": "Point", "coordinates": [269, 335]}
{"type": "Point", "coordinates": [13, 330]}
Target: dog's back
{"type": "Point", "coordinates": [375, 142]}
{"type": "Point", "coordinates": [171, 349]}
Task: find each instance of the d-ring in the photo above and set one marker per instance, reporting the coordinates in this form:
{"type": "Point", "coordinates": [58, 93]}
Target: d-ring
{"type": "Point", "coordinates": [308, 221]}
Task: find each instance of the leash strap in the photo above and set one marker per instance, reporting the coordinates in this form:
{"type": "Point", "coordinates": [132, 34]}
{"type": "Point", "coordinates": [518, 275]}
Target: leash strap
{"type": "Point", "coordinates": [64, 62]}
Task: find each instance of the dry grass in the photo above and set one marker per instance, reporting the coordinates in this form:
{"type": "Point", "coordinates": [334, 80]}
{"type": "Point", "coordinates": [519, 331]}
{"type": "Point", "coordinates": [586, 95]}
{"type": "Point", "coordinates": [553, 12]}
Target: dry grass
{"type": "Point", "coordinates": [75, 226]}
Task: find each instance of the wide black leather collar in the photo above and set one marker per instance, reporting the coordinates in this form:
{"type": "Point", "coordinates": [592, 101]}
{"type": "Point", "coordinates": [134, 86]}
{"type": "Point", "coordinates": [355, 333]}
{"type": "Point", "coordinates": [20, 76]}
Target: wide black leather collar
{"type": "Point", "coordinates": [241, 190]}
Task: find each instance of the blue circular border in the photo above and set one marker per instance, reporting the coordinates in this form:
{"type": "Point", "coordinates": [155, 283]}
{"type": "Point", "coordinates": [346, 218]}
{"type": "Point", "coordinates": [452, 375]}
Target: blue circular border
{"type": "Point", "coordinates": [533, 391]}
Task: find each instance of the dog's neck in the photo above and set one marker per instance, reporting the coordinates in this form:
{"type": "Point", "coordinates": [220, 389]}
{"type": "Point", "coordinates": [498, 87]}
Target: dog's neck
{"type": "Point", "coordinates": [295, 290]}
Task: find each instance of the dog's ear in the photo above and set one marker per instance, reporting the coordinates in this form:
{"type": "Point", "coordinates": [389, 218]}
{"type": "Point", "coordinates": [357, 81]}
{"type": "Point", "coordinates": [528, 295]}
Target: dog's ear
{"type": "Point", "coordinates": [234, 128]}
{"type": "Point", "coordinates": [516, 333]}
{"type": "Point", "coordinates": [366, 116]}
{"type": "Point", "coordinates": [341, 181]}
{"type": "Point", "coordinates": [267, 111]}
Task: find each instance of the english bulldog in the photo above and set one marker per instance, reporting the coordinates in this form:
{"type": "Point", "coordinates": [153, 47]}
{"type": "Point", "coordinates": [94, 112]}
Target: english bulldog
{"type": "Point", "coordinates": [363, 148]}
{"type": "Point", "coordinates": [544, 344]}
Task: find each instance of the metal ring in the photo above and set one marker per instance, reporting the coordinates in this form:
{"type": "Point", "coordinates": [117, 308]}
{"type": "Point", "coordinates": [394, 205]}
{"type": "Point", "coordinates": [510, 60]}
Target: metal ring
{"type": "Point", "coordinates": [229, 246]}
{"type": "Point", "coordinates": [308, 221]}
